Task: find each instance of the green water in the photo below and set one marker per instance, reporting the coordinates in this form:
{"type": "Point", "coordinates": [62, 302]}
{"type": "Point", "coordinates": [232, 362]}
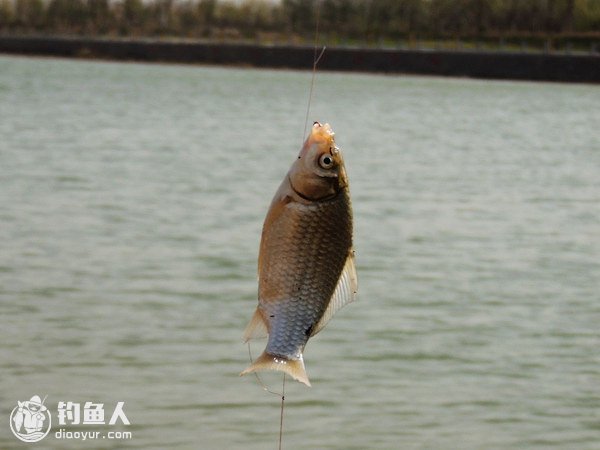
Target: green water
{"type": "Point", "coordinates": [131, 202]}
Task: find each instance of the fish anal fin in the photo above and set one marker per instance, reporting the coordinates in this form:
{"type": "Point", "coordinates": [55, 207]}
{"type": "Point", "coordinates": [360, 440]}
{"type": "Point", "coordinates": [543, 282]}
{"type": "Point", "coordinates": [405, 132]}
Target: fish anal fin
{"type": "Point", "coordinates": [292, 367]}
{"type": "Point", "coordinates": [257, 328]}
{"type": "Point", "coordinates": [344, 293]}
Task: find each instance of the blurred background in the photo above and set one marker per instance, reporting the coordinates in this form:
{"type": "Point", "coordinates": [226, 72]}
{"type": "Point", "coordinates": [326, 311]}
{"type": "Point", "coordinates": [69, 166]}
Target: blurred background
{"type": "Point", "coordinates": [131, 203]}
{"type": "Point", "coordinates": [545, 24]}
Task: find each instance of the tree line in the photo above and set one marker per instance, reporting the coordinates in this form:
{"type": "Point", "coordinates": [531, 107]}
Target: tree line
{"type": "Point", "coordinates": [365, 21]}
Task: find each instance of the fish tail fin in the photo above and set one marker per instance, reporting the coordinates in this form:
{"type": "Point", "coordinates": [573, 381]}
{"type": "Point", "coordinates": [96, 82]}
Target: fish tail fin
{"type": "Point", "coordinates": [293, 367]}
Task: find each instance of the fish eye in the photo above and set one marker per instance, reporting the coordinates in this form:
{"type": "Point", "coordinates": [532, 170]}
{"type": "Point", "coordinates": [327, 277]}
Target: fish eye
{"type": "Point", "coordinates": [326, 161]}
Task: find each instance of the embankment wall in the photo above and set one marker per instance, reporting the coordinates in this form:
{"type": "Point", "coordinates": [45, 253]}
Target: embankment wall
{"type": "Point", "coordinates": [536, 66]}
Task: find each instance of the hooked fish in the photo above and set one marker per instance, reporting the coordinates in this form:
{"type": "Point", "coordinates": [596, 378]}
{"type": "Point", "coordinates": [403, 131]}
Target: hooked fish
{"type": "Point", "coordinates": [306, 268]}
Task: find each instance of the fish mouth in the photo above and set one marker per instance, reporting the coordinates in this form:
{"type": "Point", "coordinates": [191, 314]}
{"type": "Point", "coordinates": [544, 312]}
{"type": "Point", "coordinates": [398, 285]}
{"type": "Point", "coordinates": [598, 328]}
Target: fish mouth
{"type": "Point", "coordinates": [322, 133]}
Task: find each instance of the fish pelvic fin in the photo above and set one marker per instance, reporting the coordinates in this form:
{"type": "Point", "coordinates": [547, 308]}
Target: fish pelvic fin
{"type": "Point", "coordinates": [293, 367]}
{"type": "Point", "coordinates": [257, 328]}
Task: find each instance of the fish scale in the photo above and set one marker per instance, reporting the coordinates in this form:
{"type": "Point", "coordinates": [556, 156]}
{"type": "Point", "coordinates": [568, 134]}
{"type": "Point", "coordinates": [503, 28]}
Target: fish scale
{"type": "Point", "coordinates": [313, 267]}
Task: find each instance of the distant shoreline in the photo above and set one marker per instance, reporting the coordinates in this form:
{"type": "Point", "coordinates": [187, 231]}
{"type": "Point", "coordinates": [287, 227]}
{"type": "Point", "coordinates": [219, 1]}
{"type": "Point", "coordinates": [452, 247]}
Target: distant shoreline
{"type": "Point", "coordinates": [538, 66]}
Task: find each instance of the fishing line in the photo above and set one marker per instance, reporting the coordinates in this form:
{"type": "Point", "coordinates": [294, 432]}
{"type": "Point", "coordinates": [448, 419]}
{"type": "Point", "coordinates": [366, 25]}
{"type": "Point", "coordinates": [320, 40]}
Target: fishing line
{"type": "Point", "coordinates": [281, 413]}
{"type": "Point", "coordinates": [259, 379]}
{"type": "Point", "coordinates": [316, 60]}
{"type": "Point", "coordinates": [265, 388]}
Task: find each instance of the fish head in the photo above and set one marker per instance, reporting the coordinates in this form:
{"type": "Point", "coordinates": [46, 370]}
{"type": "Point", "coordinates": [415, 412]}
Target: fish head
{"type": "Point", "coordinates": [319, 173]}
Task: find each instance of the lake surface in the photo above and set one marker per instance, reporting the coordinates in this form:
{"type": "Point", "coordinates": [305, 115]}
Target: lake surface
{"type": "Point", "coordinates": [131, 203]}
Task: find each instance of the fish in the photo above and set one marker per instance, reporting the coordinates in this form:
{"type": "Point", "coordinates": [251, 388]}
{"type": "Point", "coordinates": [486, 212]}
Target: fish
{"type": "Point", "coordinates": [306, 261]}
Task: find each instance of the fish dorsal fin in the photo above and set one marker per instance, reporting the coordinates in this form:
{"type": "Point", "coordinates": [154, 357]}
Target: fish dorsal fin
{"type": "Point", "coordinates": [257, 328]}
{"type": "Point", "coordinates": [345, 292]}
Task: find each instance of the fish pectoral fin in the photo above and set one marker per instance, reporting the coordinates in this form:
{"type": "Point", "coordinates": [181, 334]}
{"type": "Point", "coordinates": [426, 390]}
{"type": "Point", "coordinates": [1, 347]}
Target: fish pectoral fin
{"type": "Point", "coordinates": [257, 328]}
{"type": "Point", "coordinates": [293, 367]}
{"type": "Point", "coordinates": [344, 293]}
